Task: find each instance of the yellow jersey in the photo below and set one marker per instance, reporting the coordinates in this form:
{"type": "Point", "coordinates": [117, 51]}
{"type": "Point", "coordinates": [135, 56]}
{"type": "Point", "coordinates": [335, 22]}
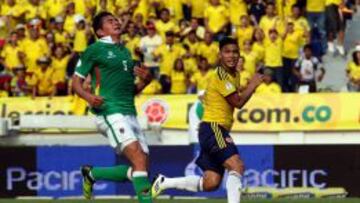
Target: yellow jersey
{"type": "Point", "coordinates": [55, 7]}
{"type": "Point", "coordinates": [153, 88]}
{"type": "Point", "coordinates": [210, 52]}
{"type": "Point", "coordinates": [80, 41]}
{"type": "Point", "coordinates": [259, 48]}
{"type": "Point", "coordinates": [237, 9]}
{"type": "Point", "coordinates": [34, 50]}
{"type": "Point", "coordinates": [163, 27]}
{"type": "Point", "coordinates": [178, 82]}
{"type": "Point", "coordinates": [62, 37]}
{"type": "Point", "coordinates": [44, 81]}
{"type": "Point", "coordinates": [251, 60]}
{"type": "Point", "coordinates": [200, 79]}
{"type": "Point", "coordinates": [354, 70]}
{"type": "Point", "coordinates": [193, 46]}
{"type": "Point", "coordinates": [132, 44]}
{"type": "Point", "coordinates": [292, 45]}
{"type": "Point", "coordinates": [267, 23]}
{"type": "Point", "coordinates": [175, 8]}
{"type": "Point", "coordinates": [198, 8]}
{"type": "Point", "coordinates": [272, 88]}
{"type": "Point", "coordinates": [10, 55]}
{"type": "Point", "coordinates": [217, 17]}
{"type": "Point", "coordinates": [59, 66]}
{"type": "Point", "coordinates": [168, 56]}
{"type": "Point", "coordinates": [315, 6]}
{"type": "Point", "coordinates": [216, 107]}
{"type": "Point", "coordinates": [190, 65]}
{"type": "Point", "coordinates": [273, 53]}
{"type": "Point", "coordinates": [244, 34]}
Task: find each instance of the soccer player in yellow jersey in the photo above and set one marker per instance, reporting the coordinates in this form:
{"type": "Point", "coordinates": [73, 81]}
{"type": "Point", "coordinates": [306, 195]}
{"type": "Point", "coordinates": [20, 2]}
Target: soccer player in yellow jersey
{"type": "Point", "coordinates": [218, 151]}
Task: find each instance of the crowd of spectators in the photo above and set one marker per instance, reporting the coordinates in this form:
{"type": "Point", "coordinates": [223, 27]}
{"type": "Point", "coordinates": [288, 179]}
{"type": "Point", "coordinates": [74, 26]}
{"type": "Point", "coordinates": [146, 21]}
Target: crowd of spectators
{"type": "Point", "coordinates": [41, 41]}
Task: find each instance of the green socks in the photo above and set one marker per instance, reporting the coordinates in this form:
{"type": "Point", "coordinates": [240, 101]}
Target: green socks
{"type": "Point", "coordinates": [115, 173]}
{"type": "Point", "coordinates": [142, 186]}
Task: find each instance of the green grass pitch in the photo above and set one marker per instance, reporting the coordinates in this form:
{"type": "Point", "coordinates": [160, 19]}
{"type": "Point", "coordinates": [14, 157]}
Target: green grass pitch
{"type": "Point", "coordinates": [186, 201]}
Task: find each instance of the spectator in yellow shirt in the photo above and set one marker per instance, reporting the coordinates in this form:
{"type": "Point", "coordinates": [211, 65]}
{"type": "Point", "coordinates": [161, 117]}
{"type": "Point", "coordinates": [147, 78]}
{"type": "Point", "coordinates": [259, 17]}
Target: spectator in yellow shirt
{"type": "Point", "coordinates": [244, 32]}
{"type": "Point", "coordinates": [59, 62]}
{"type": "Point", "coordinates": [245, 76]}
{"type": "Point", "coordinates": [250, 58]}
{"type": "Point", "coordinates": [258, 43]}
{"type": "Point", "coordinates": [10, 53]}
{"type": "Point", "coordinates": [268, 86]}
{"type": "Point", "coordinates": [132, 41]}
{"type": "Point", "coordinates": [81, 34]}
{"type": "Point", "coordinates": [33, 48]}
{"type": "Point", "coordinates": [273, 56]}
{"type": "Point", "coordinates": [19, 83]}
{"type": "Point", "coordinates": [292, 46]}
{"type": "Point", "coordinates": [199, 79]}
{"type": "Point", "coordinates": [315, 11]}
{"type": "Point", "coordinates": [209, 49]}
{"type": "Point", "coordinates": [35, 9]}
{"type": "Point", "coordinates": [61, 36]}
{"type": "Point", "coordinates": [165, 24]}
{"type": "Point", "coordinates": [217, 19]}
{"type": "Point", "coordinates": [192, 42]}
{"type": "Point", "coordinates": [43, 83]}
{"type": "Point", "coordinates": [69, 23]}
{"type": "Point", "coordinates": [270, 20]}
{"type": "Point", "coordinates": [167, 54]}
{"type": "Point", "coordinates": [178, 78]}
{"type": "Point", "coordinates": [353, 71]}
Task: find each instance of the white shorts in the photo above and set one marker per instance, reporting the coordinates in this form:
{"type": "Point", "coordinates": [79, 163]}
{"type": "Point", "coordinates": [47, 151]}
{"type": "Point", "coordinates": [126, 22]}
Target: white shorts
{"type": "Point", "coordinates": [121, 130]}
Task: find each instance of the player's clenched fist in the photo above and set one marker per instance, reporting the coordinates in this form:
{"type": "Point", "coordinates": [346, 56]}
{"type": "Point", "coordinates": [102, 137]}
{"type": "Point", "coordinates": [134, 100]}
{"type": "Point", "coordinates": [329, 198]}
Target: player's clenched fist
{"type": "Point", "coordinates": [94, 101]}
{"type": "Point", "coordinates": [256, 80]}
{"type": "Point", "coordinates": [143, 73]}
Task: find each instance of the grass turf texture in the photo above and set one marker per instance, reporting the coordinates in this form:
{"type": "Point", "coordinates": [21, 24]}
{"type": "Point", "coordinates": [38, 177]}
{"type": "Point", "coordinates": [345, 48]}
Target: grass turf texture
{"type": "Point", "coordinates": [187, 201]}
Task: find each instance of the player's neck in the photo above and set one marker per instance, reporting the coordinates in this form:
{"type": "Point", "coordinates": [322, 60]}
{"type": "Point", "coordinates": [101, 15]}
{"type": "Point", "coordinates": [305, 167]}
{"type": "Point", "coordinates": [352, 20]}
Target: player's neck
{"type": "Point", "coordinates": [110, 39]}
{"type": "Point", "coordinates": [229, 70]}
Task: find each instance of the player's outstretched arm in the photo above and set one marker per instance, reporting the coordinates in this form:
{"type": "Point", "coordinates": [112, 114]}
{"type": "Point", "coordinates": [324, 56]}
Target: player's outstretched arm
{"type": "Point", "coordinates": [144, 76]}
{"type": "Point", "coordinates": [93, 100]}
{"type": "Point", "coordinates": [238, 101]}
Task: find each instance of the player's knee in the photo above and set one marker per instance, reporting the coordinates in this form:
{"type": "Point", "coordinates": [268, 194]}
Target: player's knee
{"type": "Point", "coordinates": [211, 183]}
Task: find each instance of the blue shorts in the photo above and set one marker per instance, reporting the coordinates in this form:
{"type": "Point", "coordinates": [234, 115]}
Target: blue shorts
{"type": "Point", "coordinates": [216, 147]}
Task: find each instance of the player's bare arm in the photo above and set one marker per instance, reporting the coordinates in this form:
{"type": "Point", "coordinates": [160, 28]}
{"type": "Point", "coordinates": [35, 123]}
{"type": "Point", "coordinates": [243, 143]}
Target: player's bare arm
{"type": "Point", "coordinates": [93, 100]}
{"type": "Point", "coordinates": [144, 76]}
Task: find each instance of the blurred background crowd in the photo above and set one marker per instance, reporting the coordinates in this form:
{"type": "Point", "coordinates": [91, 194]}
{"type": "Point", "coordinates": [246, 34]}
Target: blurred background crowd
{"type": "Point", "coordinates": [41, 42]}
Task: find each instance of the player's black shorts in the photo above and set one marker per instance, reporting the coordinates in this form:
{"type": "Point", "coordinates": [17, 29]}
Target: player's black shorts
{"type": "Point", "coordinates": [216, 147]}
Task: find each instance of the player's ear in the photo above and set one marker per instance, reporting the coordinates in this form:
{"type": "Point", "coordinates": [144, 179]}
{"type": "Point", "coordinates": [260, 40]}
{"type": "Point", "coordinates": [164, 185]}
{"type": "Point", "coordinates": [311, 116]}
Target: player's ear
{"type": "Point", "coordinates": [100, 33]}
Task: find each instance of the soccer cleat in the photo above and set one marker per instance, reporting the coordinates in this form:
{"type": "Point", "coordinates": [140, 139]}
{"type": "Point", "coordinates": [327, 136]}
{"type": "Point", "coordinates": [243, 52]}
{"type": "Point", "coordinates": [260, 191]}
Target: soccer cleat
{"type": "Point", "coordinates": [156, 189]}
{"type": "Point", "coordinates": [88, 181]}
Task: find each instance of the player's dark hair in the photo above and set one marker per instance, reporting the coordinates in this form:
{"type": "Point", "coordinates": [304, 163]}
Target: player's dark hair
{"type": "Point", "coordinates": [227, 40]}
{"type": "Point", "coordinates": [98, 20]}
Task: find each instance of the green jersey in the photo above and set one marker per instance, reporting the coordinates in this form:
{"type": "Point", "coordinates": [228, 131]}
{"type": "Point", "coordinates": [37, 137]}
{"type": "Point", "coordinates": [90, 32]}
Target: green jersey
{"type": "Point", "coordinates": [111, 68]}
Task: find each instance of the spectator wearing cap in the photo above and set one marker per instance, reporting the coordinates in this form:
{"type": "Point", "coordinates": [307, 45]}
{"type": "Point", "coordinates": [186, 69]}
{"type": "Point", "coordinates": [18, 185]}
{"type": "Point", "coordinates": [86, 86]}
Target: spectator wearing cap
{"type": "Point", "coordinates": [165, 24]}
{"type": "Point", "coordinates": [148, 44]}
{"type": "Point", "coordinates": [19, 83]}
{"type": "Point", "coordinates": [10, 53]}
{"type": "Point", "coordinates": [209, 49]}
{"type": "Point", "coordinates": [293, 42]}
{"type": "Point", "coordinates": [268, 86]}
{"type": "Point", "coordinates": [33, 48]}
{"type": "Point", "coordinates": [21, 33]}
{"type": "Point", "coordinates": [308, 70]}
{"type": "Point", "coordinates": [273, 56]}
{"type": "Point", "coordinates": [43, 83]}
{"type": "Point", "coordinates": [353, 71]}
{"type": "Point", "coordinates": [216, 19]}
{"type": "Point", "coordinates": [166, 54]}
{"type": "Point", "coordinates": [315, 13]}
{"type": "Point", "coordinates": [81, 34]}
{"type": "Point", "coordinates": [61, 35]}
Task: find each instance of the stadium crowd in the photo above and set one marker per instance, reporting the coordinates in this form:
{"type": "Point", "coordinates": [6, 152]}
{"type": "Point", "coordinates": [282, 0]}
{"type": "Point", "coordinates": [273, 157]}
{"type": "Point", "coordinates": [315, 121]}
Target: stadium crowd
{"type": "Point", "coordinates": [41, 41]}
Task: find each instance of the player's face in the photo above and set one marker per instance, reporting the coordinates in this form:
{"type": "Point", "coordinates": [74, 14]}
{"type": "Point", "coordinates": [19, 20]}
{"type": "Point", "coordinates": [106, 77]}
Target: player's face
{"type": "Point", "coordinates": [110, 26]}
{"type": "Point", "coordinates": [229, 56]}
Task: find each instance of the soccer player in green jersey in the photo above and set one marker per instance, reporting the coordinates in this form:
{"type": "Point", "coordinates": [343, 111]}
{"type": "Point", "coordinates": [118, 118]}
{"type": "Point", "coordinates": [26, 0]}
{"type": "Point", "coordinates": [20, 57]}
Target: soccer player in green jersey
{"type": "Point", "coordinates": [111, 67]}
